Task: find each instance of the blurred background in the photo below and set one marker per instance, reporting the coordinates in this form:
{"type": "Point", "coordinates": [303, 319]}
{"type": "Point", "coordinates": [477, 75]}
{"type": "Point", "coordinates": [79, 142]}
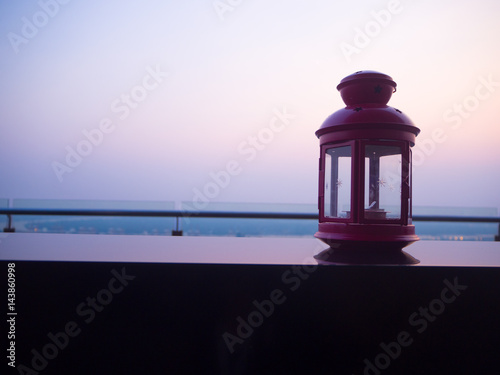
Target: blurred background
{"type": "Point", "coordinates": [218, 101]}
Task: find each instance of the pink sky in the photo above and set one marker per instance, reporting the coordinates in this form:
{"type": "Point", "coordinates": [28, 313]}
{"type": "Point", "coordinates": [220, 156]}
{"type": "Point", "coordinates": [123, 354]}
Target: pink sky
{"type": "Point", "coordinates": [217, 79]}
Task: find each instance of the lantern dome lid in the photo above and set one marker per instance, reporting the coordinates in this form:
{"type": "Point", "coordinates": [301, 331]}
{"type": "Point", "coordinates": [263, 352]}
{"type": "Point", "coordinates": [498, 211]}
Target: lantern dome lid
{"type": "Point", "coordinates": [366, 86]}
{"type": "Point", "coordinates": [366, 94]}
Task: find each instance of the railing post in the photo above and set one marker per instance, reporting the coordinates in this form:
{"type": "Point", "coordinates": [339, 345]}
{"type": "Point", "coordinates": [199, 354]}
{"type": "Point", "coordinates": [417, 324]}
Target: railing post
{"type": "Point", "coordinates": [176, 231]}
{"type": "Point", "coordinates": [9, 227]}
{"type": "Point", "coordinates": [497, 237]}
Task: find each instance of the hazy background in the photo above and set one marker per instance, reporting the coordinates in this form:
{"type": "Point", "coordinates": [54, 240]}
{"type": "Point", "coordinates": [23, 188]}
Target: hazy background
{"type": "Point", "coordinates": [230, 67]}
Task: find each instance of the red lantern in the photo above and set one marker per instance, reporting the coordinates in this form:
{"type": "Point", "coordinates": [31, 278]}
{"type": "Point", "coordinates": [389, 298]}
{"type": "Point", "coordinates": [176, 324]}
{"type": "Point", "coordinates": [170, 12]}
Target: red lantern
{"type": "Point", "coordinates": [365, 168]}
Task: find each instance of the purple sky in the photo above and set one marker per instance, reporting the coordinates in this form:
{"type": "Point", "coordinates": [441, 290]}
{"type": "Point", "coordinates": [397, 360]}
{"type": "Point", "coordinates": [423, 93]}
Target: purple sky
{"type": "Point", "coordinates": [157, 100]}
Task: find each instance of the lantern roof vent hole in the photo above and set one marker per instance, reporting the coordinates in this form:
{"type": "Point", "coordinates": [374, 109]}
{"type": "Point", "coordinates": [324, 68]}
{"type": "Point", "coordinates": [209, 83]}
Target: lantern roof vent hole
{"type": "Point", "coordinates": [366, 87]}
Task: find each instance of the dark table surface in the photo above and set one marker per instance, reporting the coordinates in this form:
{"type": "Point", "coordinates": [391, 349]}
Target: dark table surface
{"type": "Point", "coordinates": [228, 250]}
{"type": "Point", "coordinates": [226, 305]}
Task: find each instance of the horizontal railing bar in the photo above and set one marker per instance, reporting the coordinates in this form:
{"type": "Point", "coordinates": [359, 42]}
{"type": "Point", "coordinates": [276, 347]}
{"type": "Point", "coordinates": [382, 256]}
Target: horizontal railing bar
{"type": "Point", "coordinates": [464, 219]}
{"type": "Point", "coordinates": [156, 213]}
{"type": "Point", "coordinates": [216, 214]}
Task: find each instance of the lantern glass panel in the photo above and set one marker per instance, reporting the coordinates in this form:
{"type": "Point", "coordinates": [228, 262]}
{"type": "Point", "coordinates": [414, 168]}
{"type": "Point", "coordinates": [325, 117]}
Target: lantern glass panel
{"type": "Point", "coordinates": [337, 189]}
{"type": "Point", "coordinates": [383, 172]}
{"type": "Point", "coordinates": [410, 172]}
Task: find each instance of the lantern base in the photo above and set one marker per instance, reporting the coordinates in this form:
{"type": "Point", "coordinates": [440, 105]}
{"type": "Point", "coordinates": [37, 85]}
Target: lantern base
{"type": "Point", "coordinates": [372, 237]}
{"type": "Point", "coordinates": [378, 246]}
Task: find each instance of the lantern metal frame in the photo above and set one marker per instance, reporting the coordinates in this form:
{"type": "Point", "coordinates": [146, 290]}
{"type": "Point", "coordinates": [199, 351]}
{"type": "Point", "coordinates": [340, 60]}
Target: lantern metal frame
{"type": "Point", "coordinates": [367, 121]}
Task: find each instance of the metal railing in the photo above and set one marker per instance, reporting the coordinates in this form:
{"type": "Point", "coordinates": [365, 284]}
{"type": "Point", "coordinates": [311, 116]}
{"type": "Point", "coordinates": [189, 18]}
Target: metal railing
{"type": "Point", "coordinates": [212, 214]}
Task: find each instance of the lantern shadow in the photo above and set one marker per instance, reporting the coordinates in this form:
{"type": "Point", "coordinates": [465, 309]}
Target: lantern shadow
{"type": "Point", "coordinates": [332, 256]}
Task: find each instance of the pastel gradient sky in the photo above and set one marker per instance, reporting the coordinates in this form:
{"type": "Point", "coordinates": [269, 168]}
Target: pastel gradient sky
{"type": "Point", "coordinates": [208, 79]}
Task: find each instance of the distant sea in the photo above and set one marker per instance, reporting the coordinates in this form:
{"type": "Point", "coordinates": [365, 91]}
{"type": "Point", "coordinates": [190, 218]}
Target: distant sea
{"type": "Point", "coordinates": [195, 226]}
